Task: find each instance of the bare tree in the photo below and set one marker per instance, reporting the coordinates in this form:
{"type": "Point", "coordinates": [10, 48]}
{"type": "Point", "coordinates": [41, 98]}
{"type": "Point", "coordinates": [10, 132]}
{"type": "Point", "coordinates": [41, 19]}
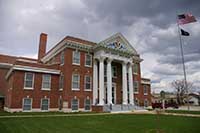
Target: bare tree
{"type": "Point", "coordinates": [181, 90]}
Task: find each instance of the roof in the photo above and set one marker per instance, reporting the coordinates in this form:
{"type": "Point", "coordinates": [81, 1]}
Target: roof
{"type": "Point", "coordinates": [7, 59]}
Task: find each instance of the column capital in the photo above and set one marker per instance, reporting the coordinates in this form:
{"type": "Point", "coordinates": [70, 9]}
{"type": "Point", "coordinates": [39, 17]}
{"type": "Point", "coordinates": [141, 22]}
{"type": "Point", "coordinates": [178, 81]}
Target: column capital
{"type": "Point", "coordinates": [101, 59]}
{"type": "Point", "coordinates": [130, 63]}
{"type": "Point", "coordinates": [109, 60]}
{"type": "Point", "coordinates": [124, 62]}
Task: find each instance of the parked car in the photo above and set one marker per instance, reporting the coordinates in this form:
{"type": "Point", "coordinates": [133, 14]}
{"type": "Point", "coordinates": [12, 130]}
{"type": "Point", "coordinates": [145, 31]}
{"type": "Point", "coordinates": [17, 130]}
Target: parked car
{"type": "Point", "coordinates": [167, 105]}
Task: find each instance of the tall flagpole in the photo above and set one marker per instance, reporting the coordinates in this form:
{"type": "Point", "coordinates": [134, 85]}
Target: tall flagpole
{"type": "Point", "coordinates": [183, 62]}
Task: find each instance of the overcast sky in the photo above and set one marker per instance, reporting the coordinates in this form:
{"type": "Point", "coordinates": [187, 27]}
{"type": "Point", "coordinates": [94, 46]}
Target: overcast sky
{"type": "Point", "coordinates": [149, 25]}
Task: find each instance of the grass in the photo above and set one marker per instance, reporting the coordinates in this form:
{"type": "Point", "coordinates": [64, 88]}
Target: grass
{"type": "Point", "coordinates": [183, 112]}
{"type": "Point", "coordinates": [118, 123]}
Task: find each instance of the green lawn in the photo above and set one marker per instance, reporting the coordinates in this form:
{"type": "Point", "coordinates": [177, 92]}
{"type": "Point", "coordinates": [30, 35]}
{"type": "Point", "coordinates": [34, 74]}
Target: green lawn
{"type": "Point", "coordinates": [117, 123]}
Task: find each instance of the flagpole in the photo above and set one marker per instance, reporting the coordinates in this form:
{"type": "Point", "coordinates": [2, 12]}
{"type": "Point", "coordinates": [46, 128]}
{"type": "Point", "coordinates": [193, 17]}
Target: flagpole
{"type": "Point", "coordinates": [183, 62]}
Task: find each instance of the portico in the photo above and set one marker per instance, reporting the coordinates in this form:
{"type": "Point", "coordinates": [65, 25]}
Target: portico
{"type": "Point", "coordinates": [114, 49]}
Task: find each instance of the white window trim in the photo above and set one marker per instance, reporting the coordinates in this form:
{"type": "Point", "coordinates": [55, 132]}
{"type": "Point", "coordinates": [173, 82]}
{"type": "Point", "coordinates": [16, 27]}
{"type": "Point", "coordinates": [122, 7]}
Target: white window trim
{"type": "Point", "coordinates": [61, 89]}
{"type": "Point", "coordinates": [62, 54]}
{"type": "Point", "coordinates": [28, 88]}
{"type": "Point", "coordinates": [41, 104]}
{"type": "Point", "coordinates": [90, 83]}
{"type": "Point", "coordinates": [76, 89]}
{"type": "Point", "coordinates": [85, 104]}
{"type": "Point", "coordinates": [46, 89]}
{"type": "Point", "coordinates": [23, 105]}
{"type": "Point", "coordinates": [78, 105]}
{"type": "Point", "coordinates": [79, 58]}
{"type": "Point", "coordinates": [90, 60]}
{"type": "Point", "coordinates": [146, 90]}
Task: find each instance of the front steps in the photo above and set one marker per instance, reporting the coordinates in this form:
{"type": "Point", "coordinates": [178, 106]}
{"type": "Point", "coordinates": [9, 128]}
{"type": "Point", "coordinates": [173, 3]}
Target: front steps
{"type": "Point", "coordinates": [121, 108]}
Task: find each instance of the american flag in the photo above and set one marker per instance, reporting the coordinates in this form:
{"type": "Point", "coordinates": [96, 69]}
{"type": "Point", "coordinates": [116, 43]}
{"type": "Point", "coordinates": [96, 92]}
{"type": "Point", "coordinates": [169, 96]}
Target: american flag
{"type": "Point", "coordinates": [186, 18]}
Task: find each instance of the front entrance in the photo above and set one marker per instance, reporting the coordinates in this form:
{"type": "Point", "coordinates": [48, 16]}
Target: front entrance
{"type": "Point", "coordinates": [113, 93]}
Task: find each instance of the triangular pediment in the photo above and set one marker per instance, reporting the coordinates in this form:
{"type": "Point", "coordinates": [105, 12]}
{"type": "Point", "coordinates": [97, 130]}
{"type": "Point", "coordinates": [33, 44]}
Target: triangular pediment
{"type": "Point", "coordinates": [118, 41]}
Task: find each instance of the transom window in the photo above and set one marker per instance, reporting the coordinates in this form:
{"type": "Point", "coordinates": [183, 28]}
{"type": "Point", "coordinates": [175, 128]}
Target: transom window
{"type": "Point", "coordinates": [46, 81]}
{"type": "Point", "coordinates": [88, 60]}
{"type": "Point", "coordinates": [136, 86]}
{"type": "Point", "coordinates": [145, 89]}
{"type": "Point", "coordinates": [45, 104]}
{"type": "Point", "coordinates": [75, 81]}
{"type": "Point", "coordinates": [88, 81]}
{"type": "Point", "coordinates": [28, 80]}
{"type": "Point", "coordinates": [135, 68]}
{"type": "Point", "coordinates": [76, 57]}
{"type": "Point", "coordinates": [61, 82]}
{"type": "Point", "coordinates": [87, 104]}
{"type": "Point", "coordinates": [62, 58]}
{"type": "Point", "coordinates": [74, 104]}
{"type": "Point", "coordinates": [114, 71]}
{"type": "Point", "coordinates": [27, 104]}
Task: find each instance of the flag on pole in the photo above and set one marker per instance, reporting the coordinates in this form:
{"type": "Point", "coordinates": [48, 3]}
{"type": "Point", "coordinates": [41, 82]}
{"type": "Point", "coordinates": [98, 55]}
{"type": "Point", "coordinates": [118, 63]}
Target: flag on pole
{"type": "Point", "coordinates": [186, 18]}
{"type": "Point", "coordinates": [184, 33]}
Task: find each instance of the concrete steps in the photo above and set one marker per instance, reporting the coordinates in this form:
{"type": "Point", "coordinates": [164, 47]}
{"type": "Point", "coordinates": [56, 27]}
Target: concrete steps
{"type": "Point", "coordinates": [121, 108]}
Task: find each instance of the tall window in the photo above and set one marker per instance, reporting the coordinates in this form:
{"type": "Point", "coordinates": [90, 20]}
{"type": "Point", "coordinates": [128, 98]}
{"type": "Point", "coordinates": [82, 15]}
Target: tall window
{"type": "Point", "coordinates": [74, 104]}
{"type": "Point", "coordinates": [87, 104]}
{"type": "Point", "coordinates": [114, 71]}
{"type": "Point", "coordinates": [62, 58]}
{"type": "Point", "coordinates": [88, 60]}
{"type": "Point", "coordinates": [28, 80]}
{"type": "Point", "coordinates": [135, 68]}
{"type": "Point", "coordinates": [46, 82]}
{"type": "Point", "coordinates": [76, 57]}
{"type": "Point", "coordinates": [145, 89]}
{"type": "Point", "coordinates": [136, 102]}
{"type": "Point", "coordinates": [27, 104]}
{"type": "Point", "coordinates": [75, 81]}
{"type": "Point", "coordinates": [45, 104]}
{"type": "Point", "coordinates": [136, 86]}
{"type": "Point", "coordinates": [61, 82]}
{"type": "Point", "coordinates": [88, 81]}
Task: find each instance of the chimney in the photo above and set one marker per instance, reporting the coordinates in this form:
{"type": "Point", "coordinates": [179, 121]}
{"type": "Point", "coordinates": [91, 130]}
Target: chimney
{"type": "Point", "coordinates": [42, 46]}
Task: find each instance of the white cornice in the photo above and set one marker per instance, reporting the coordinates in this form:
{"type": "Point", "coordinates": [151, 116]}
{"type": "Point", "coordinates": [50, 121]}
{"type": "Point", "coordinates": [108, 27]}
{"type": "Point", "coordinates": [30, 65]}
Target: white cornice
{"type": "Point", "coordinates": [5, 65]}
{"type": "Point", "coordinates": [32, 69]}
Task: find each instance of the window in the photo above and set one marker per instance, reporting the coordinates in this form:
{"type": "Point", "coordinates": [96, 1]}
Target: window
{"type": "Point", "coordinates": [136, 86]}
{"type": "Point", "coordinates": [87, 104]}
{"type": "Point", "coordinates": [88, 60]}
{"type": "Point", "coordinates": [45, 104]}
{"type": "Point", "coordinates": [114, 71]}
{"type": "Point", "coordinates": [88, 82]}
{"type": "Point", "coordinates": [61, 82]}
{"type": "Point", "coordinates": [74, 104]}
{"type": "Point", "coordinates": [28, 80]}
{"type": "Point", "coordinates": [145, 89]}
{"type": "Point", "coordinates": [76, 57]}
{"type": "Point", "coordinates": [136, 102]}
{"type": "Point", "coordinates": [27, 104]}
{"type": "Point", "coordinates": [145, 103]}
{"type": "Point", "coordinates": [62, 58]}
{"type": "Point", "coordinates": [75, 81]}
{"type": "Point", "coordinates": [135, 68]}
{"type": "Point", "coordinates": [46, 82]}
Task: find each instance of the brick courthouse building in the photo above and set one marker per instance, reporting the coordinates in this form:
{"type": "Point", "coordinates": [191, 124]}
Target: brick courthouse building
{"type": "Point", "coordinates": [74, 75]}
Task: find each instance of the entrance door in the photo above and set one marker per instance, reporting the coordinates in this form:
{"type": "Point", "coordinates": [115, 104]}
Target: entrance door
{"type": "Point", "coordinates": [113, 93]}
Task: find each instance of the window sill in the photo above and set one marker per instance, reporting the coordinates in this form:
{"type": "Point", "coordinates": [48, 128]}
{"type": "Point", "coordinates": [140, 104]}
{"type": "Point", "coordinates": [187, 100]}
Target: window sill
{"type": "Point", "coordinates": [136, 92]}
{"type": "Point", "coordinates": [75, 89]}
{"type": "Point", "coordinates": [87, 89]}
{"type": "Point", "coordinates": [60, 89]}
{"type": "Point", "coordinates": [88, 66]}
{"type": "Point", "coordinates": [76, 64]}
{"type": "Point", "coordinates": [26, 88]}
{"type": "Point", "coordinates": [145, 94]}
{"type": "Point", "coordinates": [135, 73]}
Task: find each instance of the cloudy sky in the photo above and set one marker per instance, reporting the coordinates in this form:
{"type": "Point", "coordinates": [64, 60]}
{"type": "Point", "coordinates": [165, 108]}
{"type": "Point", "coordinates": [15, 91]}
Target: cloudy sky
{"type": "Point", "coordinates": [149, 25]}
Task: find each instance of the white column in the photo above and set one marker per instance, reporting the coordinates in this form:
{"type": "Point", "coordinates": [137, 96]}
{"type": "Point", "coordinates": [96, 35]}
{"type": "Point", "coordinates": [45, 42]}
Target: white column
{"type": "Point", "coordinates": [130, 77]}
{"type": "Point", "coordinates": [101, 81]}
{"type": "Point", "coordinates": [124, 82]}
{"type": "Point", "coordinates": [95, 83]}
{"type": "Point", "coordinates": [109, 82]}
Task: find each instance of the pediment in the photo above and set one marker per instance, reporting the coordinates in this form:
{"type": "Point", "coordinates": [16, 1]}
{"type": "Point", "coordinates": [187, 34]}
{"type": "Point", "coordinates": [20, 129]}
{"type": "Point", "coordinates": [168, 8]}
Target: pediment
{"type": "Point", "coordinates": [118, 41]}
